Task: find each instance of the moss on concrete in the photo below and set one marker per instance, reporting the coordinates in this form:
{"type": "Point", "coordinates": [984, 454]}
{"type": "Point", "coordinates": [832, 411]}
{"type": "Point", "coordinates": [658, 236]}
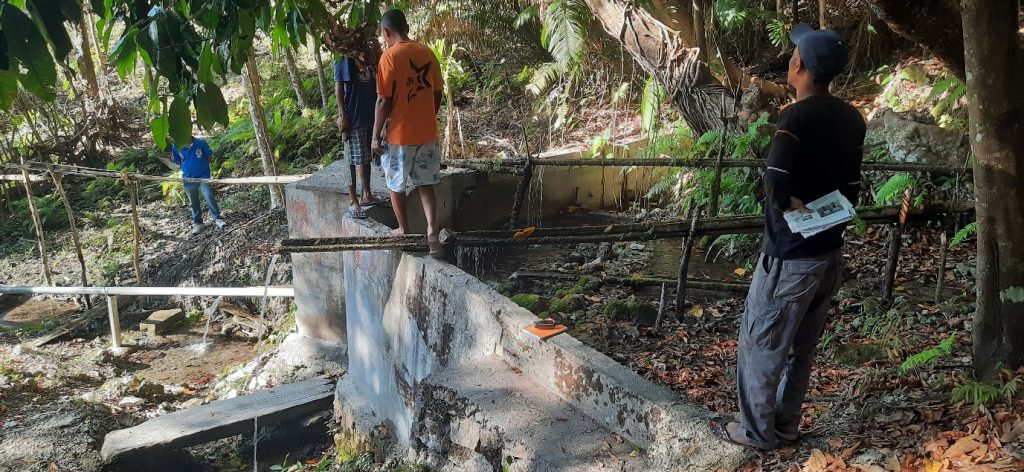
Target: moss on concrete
{"type": "Point", "coordinates": [529, 301]}
{"type": "Point", "coordinates": [630, 309]}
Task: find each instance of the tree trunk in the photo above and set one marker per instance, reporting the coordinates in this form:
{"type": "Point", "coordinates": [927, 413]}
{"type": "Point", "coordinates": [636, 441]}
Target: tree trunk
{"type": "Point", "coordinates": [822, 10]}
{"type": "Point", "coordinates": [295, 79]}
{"type": "Point", "coordinates": [699, 31]}
{"type": "Point", "coordinates": [934, 24]}
{"type": "Point", "coordinates": [38, 223]}
{"type": "Point", "coordinates": [994, 73]}
{"type": "Point", "coordinates": [324, 90]}
{"type": "Point", "coordinates": [704, 103]}
{"type": "Point", "coordinates": [251, 82]}
{"type": "Point", "coordinates": [794, 11]}
{"type": "Point", "coordinates": [92, 86]}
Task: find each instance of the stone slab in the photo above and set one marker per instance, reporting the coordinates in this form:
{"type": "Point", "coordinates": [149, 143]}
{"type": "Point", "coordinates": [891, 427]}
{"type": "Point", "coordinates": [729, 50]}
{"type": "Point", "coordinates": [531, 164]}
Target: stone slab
{"type": "Point", "coordinates": [161, 321]}
{"type": "Point", "coordinates": [219, 420]}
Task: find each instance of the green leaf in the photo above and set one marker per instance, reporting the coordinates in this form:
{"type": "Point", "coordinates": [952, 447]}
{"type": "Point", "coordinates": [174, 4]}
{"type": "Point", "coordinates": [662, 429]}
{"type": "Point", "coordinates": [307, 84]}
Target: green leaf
{"type": "Point", "coordinates": [206, 59]}
{"type": "Point", "coordinates": [964, 233]}
{"type": "Point", "coordinates": [894, 187]}
{"type": "Point", "coordinates": [180, 121]}
{"type": "Point", "coordinates": [5, 60]}
{"type": "Point", "coordinates": [210, 106]}
{"type": "Point", "coordinates": [8, 89]}
{"type": "Point", "coordinates": [565, 31]}
{"type": "Point", "coordinates": [1012, 295]}
{"type": "Point", "coordinates": [650, 105]}
{"type": "Point", "coordinates": [159, 126]}
{"type": "Point", "coordinates": [26, 45]}
{"type": "Point", "coordinates": [125, 51]}
{"type": "Point", "coordinates": [50, 21]}
{"type": "Point", "coordinates": [528, 14]}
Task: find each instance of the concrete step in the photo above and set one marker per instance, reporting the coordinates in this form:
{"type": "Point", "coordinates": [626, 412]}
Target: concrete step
{"type": "Point", "coordinates": [496, 418]}
{"type": "Point", "coordinates": [218, 420]}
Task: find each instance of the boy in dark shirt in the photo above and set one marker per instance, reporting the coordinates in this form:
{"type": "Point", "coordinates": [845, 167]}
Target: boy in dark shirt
{"type": "Point", "coordinates": [817, 150]}
{"type": "Point", "coordinates": [356, 89]}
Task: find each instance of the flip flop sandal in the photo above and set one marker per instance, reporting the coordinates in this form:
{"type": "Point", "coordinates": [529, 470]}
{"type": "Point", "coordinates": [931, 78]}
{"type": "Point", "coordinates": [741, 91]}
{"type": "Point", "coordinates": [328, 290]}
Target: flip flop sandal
{"type": "Point", "coordinates": [353, 214]}
{"type": "Point", "coordinates": [719, 428]}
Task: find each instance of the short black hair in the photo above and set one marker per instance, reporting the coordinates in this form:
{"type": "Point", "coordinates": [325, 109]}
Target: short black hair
{"type": "Point", "coordinates": [394, 20]}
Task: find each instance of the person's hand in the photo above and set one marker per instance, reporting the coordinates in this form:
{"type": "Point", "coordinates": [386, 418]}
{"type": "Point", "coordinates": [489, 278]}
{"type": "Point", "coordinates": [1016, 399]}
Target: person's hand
{"type": "Point", "coordinates": [343, 123]}
{"type": "Point", "coordinates": [378, 147]}
{"type": "Point", "coordinates": [795, 204]}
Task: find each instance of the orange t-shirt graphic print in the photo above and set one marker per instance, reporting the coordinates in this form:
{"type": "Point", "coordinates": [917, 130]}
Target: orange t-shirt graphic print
{"type": "Point", "coordinates": [409, 74]}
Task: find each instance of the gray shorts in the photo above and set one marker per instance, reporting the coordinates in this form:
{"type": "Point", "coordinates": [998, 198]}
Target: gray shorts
{"type": "Point", "coordinates": [357, 147]}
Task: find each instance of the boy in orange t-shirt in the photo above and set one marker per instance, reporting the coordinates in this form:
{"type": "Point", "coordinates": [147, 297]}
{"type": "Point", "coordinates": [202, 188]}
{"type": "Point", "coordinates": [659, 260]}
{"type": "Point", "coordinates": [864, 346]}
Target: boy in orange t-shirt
{"type": "Point", "coordinates": [409, 87]}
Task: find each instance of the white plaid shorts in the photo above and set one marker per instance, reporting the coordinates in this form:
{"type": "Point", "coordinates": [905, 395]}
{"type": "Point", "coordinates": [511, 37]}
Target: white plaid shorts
{"type": "Point", "coordinates": [357, 147]}
{"type": "Point", "coordinates": [412, 165]}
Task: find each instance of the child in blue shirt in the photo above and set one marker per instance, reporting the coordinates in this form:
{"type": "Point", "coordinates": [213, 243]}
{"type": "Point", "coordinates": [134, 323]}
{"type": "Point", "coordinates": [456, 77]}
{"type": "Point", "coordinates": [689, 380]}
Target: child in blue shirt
{"type": "Point", "coordinates": [194, 160]}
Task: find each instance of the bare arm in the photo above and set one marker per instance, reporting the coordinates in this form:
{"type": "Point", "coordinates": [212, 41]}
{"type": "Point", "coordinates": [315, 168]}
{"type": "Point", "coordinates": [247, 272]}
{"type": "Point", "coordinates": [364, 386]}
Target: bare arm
{"type": "Point", "coordinates": [382, 111]}
{"type": "Point", "coordinates": [339, 91]}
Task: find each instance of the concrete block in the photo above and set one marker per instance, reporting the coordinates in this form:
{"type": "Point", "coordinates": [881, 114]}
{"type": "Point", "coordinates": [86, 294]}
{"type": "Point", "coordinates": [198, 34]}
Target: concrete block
{"type": "Point", "coordinates": [161, 321]}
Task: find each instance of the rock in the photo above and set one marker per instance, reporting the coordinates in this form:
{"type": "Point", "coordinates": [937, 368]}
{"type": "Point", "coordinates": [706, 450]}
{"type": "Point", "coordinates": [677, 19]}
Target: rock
{"type": "Point", "coordinates": [148, 389]}
{"type": "Point", "coordinates": [907, 140]}
{"type": "Point", "coordinates": [131, 401]}
{"type": "Point", "coordinates": [190, 403]}
{"type": "Point", "coordinates": [597, 265]}
{"type": "Point", "coordinates": [637, 247]}
{"type": "Point", "coordinates": [605, 252]}
{"type": "Point", "coordinates": [465, 433]}
{"type": "Point", "coordinates": [476, 463]}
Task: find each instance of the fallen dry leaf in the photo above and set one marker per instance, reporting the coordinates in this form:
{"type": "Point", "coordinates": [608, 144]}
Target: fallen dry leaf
{"type": "Point", "coordinates": [817, 462]}
{"type": "Point", "coordinates": [963, 446]}
{"type": "Point", "coordinates": [740, 271]}
{"type": "Point", "coordinates": [525, 233]}
{"type": "Point", "coordinates": [697, 311]}
{"type": "Point", "coordinates": [929, 465]}
{"type": "Point", "coordinates": [1014, 433]}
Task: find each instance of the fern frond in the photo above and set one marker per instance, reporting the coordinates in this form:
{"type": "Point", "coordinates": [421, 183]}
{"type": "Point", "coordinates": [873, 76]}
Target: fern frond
{"type": "Point", "coordinates": [777, 33]}
{"type": "Point", "coordinates": [894, 187]}
{"type": "Point", "coordinates": [928, 355]}
{"type": "Point", "coordinates": [565, 31]}
{"type": "Point", "coordinates": [964, 233]}
{"type": "Point", "coordinates": [528, 14]}
{"type": "Point", "coordinates": [543, 78]}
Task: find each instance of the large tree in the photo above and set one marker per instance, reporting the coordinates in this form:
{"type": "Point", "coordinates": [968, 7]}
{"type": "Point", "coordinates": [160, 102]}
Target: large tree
{"type": "Point", "coordinates": [981, 42]}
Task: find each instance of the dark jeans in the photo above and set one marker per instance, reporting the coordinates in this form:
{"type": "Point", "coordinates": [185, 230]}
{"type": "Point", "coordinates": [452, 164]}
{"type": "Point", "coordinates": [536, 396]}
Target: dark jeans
{"type": "Point", "coordinates": [785, 315]}
{"type": "Point", "coordinates": [192, 190]}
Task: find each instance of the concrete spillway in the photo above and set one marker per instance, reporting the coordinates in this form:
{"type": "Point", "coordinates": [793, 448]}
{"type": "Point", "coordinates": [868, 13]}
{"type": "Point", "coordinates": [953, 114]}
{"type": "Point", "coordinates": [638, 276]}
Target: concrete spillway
{"type": "Point", "coordinates": [439, 367]}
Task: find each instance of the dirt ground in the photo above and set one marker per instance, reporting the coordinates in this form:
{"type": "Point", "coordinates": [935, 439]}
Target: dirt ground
{"type": "Point", "coordinates": [862, 413]}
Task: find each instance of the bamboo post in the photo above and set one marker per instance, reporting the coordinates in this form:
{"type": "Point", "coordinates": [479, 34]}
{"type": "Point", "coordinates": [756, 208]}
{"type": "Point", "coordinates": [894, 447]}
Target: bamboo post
{"type": "Point", "coordinates": [524, 184]}
{"type": "Point", "coordinates": [895, 235]}
{"type": "Point", "coordinates": [661, 308]}
{"type": "Point", "coordinates": [716, 184]}
{"type": "Point", "coordinates": [40, 235]}
{"type": "Point", "coordinates": [133, 191]}
{"type": "Point", "coordinates": [941, 276]}
{"type": "Point", "coordinates": [684, 261]}
{"type": "Point", "coordinates": [58, 182]}
{"type": "Point", "coordinates": [115, 321]}
{"type": "Point", "coordinates": [895, 242]}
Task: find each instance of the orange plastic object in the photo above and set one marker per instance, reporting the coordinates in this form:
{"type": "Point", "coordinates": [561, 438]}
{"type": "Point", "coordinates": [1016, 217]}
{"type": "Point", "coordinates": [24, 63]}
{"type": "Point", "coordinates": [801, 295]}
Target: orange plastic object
{"type": "Point", "coordinates": [546, 332]}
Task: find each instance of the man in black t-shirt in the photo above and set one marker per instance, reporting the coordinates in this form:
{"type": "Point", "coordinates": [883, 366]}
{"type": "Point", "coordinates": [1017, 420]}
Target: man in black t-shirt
{"type": "Point", "coordinates": [816, 151]}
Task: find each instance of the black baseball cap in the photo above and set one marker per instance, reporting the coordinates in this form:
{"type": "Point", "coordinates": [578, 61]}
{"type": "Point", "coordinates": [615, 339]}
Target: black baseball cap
{"type": "Point", "coordinates": [823, 52]}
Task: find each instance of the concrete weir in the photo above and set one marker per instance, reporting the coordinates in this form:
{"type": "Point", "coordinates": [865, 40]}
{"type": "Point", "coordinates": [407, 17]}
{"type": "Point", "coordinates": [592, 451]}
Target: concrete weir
{"type": "Point", "coordinates": [439, 366]}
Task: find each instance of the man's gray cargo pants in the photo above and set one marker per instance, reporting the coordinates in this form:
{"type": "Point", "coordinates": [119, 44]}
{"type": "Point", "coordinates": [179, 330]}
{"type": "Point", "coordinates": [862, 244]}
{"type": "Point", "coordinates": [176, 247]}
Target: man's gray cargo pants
{"type": "Point", "coordinates": [786, 310]}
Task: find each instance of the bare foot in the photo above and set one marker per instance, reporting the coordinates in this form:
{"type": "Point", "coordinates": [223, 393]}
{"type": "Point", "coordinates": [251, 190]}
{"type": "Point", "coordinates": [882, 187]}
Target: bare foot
{"type": "Point", "coordinates": [356, 211]}
{"type": "Point", "coordinates": [368, 200]}
{"type": "Point", "coordinates": [397, 232]}
{"type": "Point", "coordinates": [436, 249]}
